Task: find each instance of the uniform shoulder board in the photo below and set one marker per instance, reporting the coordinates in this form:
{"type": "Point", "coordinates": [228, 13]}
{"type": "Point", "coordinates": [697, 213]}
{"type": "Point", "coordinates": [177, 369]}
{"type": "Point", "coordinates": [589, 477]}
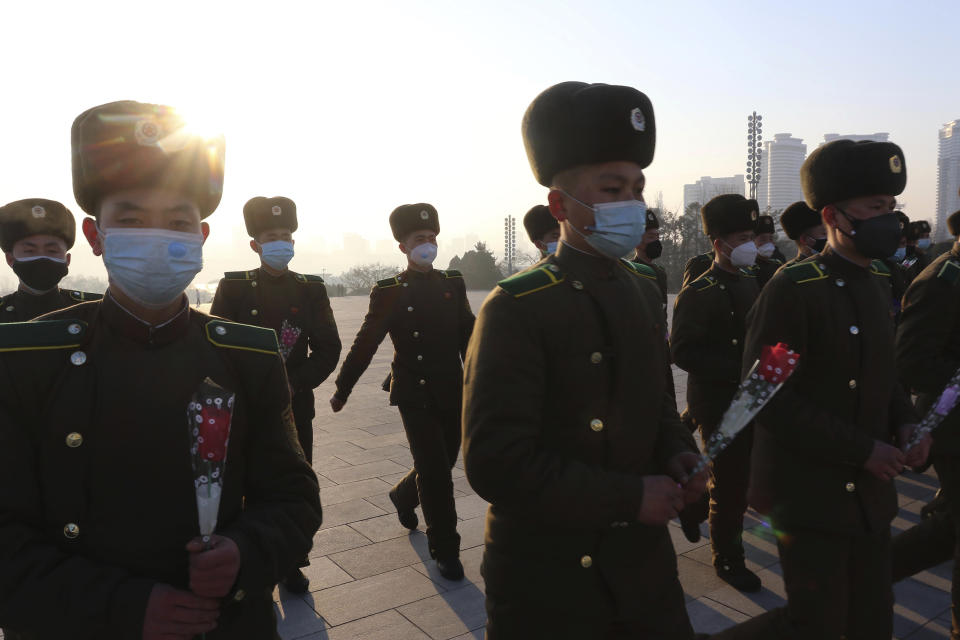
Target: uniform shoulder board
{"type": "Point", "coordinates": [451, 273]}
{"type": "Point", "coordinates": [879, 268]}
{"type": "Point", "coordinates": [239, 275]}
{"type": "Point", "coordinates": [639, 269]}
{"type": "Point", "coordinates": [703, 282]}
{"type": "Point", "coordinates": [83, 296]}
{"type": "Point", "coordinates": [950, 271]}
{"type": "Point", "coordinates": [751, 271]}
{"type": "Point", "coordinates": [805, 272]}
{"type": "Point", "coordinates": [42, 335]}
{"type": "Point", "coordinates": [531, 281]}
{"type": "Point", "coordinates": [242, 336]}
{"type": "Point", "coordinates": [305, 277]}
{"type": "Point", "coordinates": [386, 283]}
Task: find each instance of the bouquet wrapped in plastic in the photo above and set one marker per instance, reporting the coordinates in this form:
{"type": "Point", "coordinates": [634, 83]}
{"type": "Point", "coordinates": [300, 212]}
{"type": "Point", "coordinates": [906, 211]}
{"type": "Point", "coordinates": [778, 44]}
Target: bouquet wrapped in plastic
{"type": "Point", "coordinates": [209, 413]}
{"type": "Point", "coordinates": [946, 402]}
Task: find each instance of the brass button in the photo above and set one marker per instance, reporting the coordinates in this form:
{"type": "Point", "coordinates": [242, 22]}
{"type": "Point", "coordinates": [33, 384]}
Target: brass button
{"type": "Point", "coordinates": [419, 357]}
{"type": "Point", "coordinates": [821, 265]}
{"type": "Point", "coordinates": [416, 334]}
{"type": "Point", "coordinates": [10, 308]}
{"type": "Point", "coordinates": [854, 330]}
{"type": "Point", "coordinates": [73, 329]}
{"type": "Point", "coordinates": [78, 358]}
{"type": "Point", "coordinates": [74, 440]}
{"type": "Point", "coordinates": [852, 384]}
{"type": "Point", "coordinates": [840, 282]}
{"type": "Point", "coordinates": [734, 341]}
{"type": "Point", "coordinates": [406, 284]}
{"type": "Point", "coordinates": [254, 312]}
{"type": "Point", "coordinates": [71, 531]}
{"type": "Point", "coordinates": [576, 284]}
{"type": "Point", "coordinates": [409, 308]}
{"type": "Point", "coordinates": [596, 424]}
{"type": "Point", "coordinates": [422, 381]}
{"type": "Point", "coordinates": [850, 487]}
{"type": "Point", "coordinates": [239, 595]}
{"type": "Point", "coordinates": [253, 284]}
{"type": "Point", "coordinates": [596, 357]}
{"type": "Point", "coordinates": [586, 562]}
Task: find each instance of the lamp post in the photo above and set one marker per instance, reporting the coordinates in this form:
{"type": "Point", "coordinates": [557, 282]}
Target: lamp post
{"type": "Point", "coordinates": [754, 151]}
{"type": "Point", "coordinates": [509, 242]}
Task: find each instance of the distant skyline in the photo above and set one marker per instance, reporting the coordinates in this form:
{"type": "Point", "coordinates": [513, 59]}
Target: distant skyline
{"type": "Point", "coordinates": [354, 108]}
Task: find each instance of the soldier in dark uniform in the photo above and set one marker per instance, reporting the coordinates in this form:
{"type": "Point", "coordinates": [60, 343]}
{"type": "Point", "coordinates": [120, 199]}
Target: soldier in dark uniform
{"type": "Point", "coordinates": [898, 279]}
{"type": "Point", "coordinates": [570, 429]}
{"type": "Point", "coordinates": [707, 342]}
{"type": "Point", "coordinates": [804, 226]}
{"type": "Point", "coordinates": [823, 452]}
{"type": "Point", "coordinates": [769, 258]}
{"type": "Point", "coordinates": [36, 236]}
{"type": "Point", "coordinates": [918, 241]}
{"type": "Point", "coordinates": [100, 534]}
{"type": "Point", "coordinates": [428, 317]}
{"type": "Point", "coordinates": [650, 249]}
{"type": "Point", "coordinates": [295, 306]}
{"type": "Point", "coordinates": [696, 267]}
{"type": "Point", "coordinates": [928, 354]}
{"type": "Point", "coordinates": [542, 229]}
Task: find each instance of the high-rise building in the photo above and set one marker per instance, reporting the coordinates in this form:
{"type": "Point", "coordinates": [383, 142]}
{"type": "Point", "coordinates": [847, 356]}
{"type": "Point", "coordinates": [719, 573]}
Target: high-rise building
{"type": "Point", "coordinates": [780, 172]}
{"type": "Point", "coordinates": [706, 188]}
{"type": "Point", "coordinates": [948, 177]}
{"type": "Point", "coordinates": [857, 137]}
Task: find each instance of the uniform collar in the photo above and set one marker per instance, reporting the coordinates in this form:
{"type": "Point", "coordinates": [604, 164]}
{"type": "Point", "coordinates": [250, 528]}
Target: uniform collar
{"type": "Point", "coordinates": [720, 273]}
{"type": "Point", "coordinates": [582, 262]}
{"type": "Point", "coordinates": [129, 325]}
{"type": "Point", "coordinates": [413, 274]}
{"type": "Point", "coordinates": [263, 273]}
{"type": "Point", "coordinates": [836, 263]}
{"type": "Point", "coordinates": [955, 250]}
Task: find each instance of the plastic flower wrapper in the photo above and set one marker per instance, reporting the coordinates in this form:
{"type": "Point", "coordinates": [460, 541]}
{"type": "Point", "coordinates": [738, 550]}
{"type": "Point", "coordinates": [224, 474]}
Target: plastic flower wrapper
{"type": "Point", "coordinates": [289, 334]}
{"type": "Point", "coordinates": [768, 374]}
{"type": "Point", "coordinates": [209, 413]}
{"type": "Point", "coordinates": [946, 402]}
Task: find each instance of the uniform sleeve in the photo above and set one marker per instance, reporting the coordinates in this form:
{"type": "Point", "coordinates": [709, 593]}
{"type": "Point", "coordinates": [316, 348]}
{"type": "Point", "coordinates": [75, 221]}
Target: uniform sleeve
{"type": "Point", "coordinates": [467, 321]}
{"type": "Point", "coordinates": [372, 332]}
{"type": "Point", "coordinates": [281, 496]}
{"type": "Point", "coordinates": [505, 462]}
{"type": "Point", "coordinates": [695, 267]}
{"type": "Point", "coordinates": [323, 343]}
{"type": "Point", "coordinates": [43, 590]}
{"type": "Point", "coordinates": [220, 305]}
{"type": "Point", "coordinates": [693, 346]}
{"type": "Point", "coordinates": [798, 422]}
{"type": "Point", "coordinates": [930, 310]}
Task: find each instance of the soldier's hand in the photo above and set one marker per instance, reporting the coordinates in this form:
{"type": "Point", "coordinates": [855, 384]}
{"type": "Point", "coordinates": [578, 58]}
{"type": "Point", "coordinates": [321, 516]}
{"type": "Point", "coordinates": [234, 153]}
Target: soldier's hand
{"type": "Point", "coordinates": [175, 614]}
{"type": "Point", "coordinates": [885, 461]}
{"type": "Point", "coordinates": [918, 454]}
{"type": "Point", "coordinates": [336, 403]}
{"type": "Point", "coordinates": [213, 572]}
{"type": "Point", "coordinates": [662, 500]}
{"type": "Point", "coordinates": [680, 467]}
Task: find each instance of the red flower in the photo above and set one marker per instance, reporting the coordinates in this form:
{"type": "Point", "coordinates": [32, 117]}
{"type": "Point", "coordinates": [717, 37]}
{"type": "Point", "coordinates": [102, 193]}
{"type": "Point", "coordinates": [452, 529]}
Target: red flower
{"type": "Point", "coordinates": [777, 363]}
{"type": "Point", "coordinates": [214, 431]}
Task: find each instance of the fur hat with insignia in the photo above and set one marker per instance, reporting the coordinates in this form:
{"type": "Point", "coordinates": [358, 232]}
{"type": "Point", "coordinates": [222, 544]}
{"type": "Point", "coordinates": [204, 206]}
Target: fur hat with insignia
{"type": "Point", "coordinates": [35, 216]}
{"type": "Point", "coordinates": [261, 214]}
{"type": "Point", "coordinates": [652, 221]}
{"type": "Point", "coordinates": [575, 123]}
{"type": "Point", "coordinates": [904, 224]}
{"type": "Point", "coordinates": [953, 223]}
{"type": "Point", "coordinates": [130, 145]}
{"type": "Point", "coordinates": [844, 169]}
{"type": "Point", "coordinates": [729, 213]}
{"type": "Point", "coordinates": [920, 227]}
{"type": "Point", "coordinates": [764, 225]}
{"type": "Point", "coordinates": [797, 218]}
{"type": "Point", "coordinates": [408, 218]}
{"type": "Point", "coordinates": [539, 221]}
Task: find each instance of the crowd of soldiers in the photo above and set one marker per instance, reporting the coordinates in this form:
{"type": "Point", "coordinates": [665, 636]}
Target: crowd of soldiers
{"type": "Point", "coordinates": [560, 393]}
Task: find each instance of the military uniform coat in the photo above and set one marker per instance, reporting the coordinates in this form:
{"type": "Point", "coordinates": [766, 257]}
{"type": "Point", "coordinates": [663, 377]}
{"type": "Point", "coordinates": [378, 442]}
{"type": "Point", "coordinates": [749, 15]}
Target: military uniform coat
{"type": "Point", "coordinates": [21, 306]}
{"type": "Point", "coordinates": [566, 408]}
{"type": "Point", "coordinates": [98, 497]}
{"type": "Point", "coordinates": [696, 267]}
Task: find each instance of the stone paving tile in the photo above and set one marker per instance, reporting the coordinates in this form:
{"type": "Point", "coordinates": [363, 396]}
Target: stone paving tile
{"type": "Point", "coordinates": [471, 506]}
{"type": "Point", "coordinates": [448, 614]}
{"type": "Point", "coordinates": [324, 573]}
{"type": "Point", "coordinates": [361, 598]}
{"type": "Point", "coordinates": [708, 616]}
{"type": "Point", "coordinates": [470, 558]}
{"type": "Point", "coordinates": [388, 625]}
{"type": "Point", "coordinates": [771, 595]}
{"type": "Point", "coordinates": [934, 630]}
{"type": "Point", "coordinates": [383, 528]}
{"type": "Point", "coordinates": [393, 451]}
{"type": "Point", "coordinates": [351, 490]}
{"type": "Point", "coordinates": [364, 471]}
{"type": "Point", "coordinates": [336, 539]}
{"type": "Point", "coordinates": [384, 556]}
{"type": "Point", "coordinates": [296, 618]}
{"type": "Point", "coordinates": [471, 531]}
{"type": "Point", "coordinates": [916, 603]}
{"type": "Point", "coordinates": [697, 578]}
{"type": "Point", "coordinates": [349, 511]}
{"type": "Point", "coordinates": [477, 634]}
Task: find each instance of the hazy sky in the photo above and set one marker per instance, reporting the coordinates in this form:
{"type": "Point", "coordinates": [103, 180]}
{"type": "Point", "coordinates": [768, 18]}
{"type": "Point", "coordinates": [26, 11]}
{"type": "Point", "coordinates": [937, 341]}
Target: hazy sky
{"type": "Point", "coordinates": [353, 108]}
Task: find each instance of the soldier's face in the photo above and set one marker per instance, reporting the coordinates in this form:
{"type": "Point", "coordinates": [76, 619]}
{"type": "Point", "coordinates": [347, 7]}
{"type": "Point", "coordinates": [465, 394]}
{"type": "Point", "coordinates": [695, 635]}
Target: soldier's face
{"type": "Point", "coordinates": [39, 246]}
{"type": "Point", "coordinates": [547, 238]}
{"type": "Point", "coordinates": [593, 184]}
{"type": "Point", "coordinates": [279, 234]}
{"type": "Point", "coordinates": [763, 238]}
{"type": "Point", "coordinates": [731, 241]}
{"type": "Point", "coordinates": [145, 209]}
{"type": "Point", "coordinates": [417, 238]}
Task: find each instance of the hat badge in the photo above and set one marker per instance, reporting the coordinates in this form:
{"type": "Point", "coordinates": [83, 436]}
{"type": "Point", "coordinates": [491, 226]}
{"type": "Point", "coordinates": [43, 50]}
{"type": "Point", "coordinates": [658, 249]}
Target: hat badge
{"type": "Point", "coordinates": [637, 121]}
{"type": "Point", "coordinates": [424, 214]}
{"type": "Point", "coordinates": [38, 212]}
{"type": "Point", "coordinates": [895, 165]}
{"type": "Point", "coordinates": [276, 210]}
{"type": "Point", "coordinates": [753, 215]}
{"type": "Point", "coordinates": [147, 132]}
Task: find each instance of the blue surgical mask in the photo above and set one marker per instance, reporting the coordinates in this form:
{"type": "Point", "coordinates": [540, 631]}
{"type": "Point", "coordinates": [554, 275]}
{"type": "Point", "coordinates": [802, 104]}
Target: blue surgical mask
{"type": "Point", "coordinates": [551, 248]}
{"type": "Point", "coordinates": [424, 254]}
{"type": "Point", "coordinates": [277, 254]}
{"type": "Point", "coordinates": [619, 226]}
{"type": "Point", "coordinates": [152, 266]}
{"type": "Point", "coordinates": [899, 254]}
{"type": "Point", "coordinates": [923, 243]}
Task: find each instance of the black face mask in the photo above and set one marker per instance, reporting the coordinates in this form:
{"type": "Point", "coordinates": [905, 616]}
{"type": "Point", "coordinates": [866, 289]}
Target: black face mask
{"type": "Point", "coordinates": [654, 249]}
{"type": "Point", "coordinates": [819, 244]}
{"type": "Point", "coordinates": [876, 237]}
{"type": "Point", "coordinates": [41, 274]}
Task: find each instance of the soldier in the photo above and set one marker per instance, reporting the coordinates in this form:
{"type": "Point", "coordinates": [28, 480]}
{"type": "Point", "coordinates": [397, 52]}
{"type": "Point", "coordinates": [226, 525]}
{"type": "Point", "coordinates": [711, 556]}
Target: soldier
{"type": "Point", "coordinates": [100, 539]}
{"type": "Point", "coordinates": [918, 242]}
{"type": "Point", "coordinates": [898, 280]}
{"type": "Point", "coordinates": [570, 429]}
{"type": "Point", "coordinates": [650, 249]}
{"type": "Point", "coordinates": [804, 226]}
{"type": "Point", "coordinates": [542, 229]}
{"type": "Point", "coordinates": [928, 354]}
{"type": "Point", "coordinates": [769, 258]}
{"type": "Point", "coordinates": [428, 317]}
{"type": "Point", "coordinates": [823, 457]}
{"type": "Point", "coordinates": [696, 267]}
{"type": "Point", "coordinates": [294, 306]}
{"type": "Point", "coordinates": [706, 341]}
{"type": "Point", "coordinates": [36, 236]}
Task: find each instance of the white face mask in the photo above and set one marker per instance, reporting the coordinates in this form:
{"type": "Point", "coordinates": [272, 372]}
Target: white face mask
{"type": "Point", "coordinates": [152, 266]}
{"type": "Point", "coordinates": [744, 255]}
{"type": "Point", "coordinates": [424, 254]}
{"type": "Point", "coordinates": [766, 250]}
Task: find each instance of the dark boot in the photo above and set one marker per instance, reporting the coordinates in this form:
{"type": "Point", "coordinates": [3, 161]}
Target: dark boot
{"type": "Point", "coordinates": [296, 582]}
{"type": "Point", "coordinates": [734, 572]}
{"type": "Point", "coordinates": [450, 568]}
{"type": "Point", "coordinates": [408, 517]}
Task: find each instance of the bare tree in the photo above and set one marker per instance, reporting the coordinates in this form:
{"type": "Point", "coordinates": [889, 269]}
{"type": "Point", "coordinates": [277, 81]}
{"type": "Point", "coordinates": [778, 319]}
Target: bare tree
{"type": "Point", "coordinates": [361, 278]}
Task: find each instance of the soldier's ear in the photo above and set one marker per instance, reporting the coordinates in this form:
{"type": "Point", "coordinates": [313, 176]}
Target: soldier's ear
{"type": "Point", "coordinates": [829, 215]}
{"type": "Point", "coordinates": [89, 228]}
{"type": "Point", "coordinates": [255, 247]}
{"type": "Point", "coordinates": [557, 204]}
{"type": "Point", "coordinates": [67, 258]}
{"type": "Point", "coordinates": [205, 230]}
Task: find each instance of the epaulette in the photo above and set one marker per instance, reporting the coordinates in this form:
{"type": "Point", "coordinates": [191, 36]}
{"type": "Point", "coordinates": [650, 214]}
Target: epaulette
{"type": "Point", "coordinates": [806, 272]}
{"type": "Point", "coordinates": [450, 273]}
{"type": "Point", "coordinates": [750, 272]}
{"type": "Point", "coordinates": [531, 281]}
{"type": "Point", "coordinates": [386, 283]}
{"type": "Point", "coordinates": [42, 335]}
{"type": "Point", "coordinates": [703, 282]}
{"type": "Point", "coordinates": [239, 275]}
{"type": "Point", "coordinates": [305, 277]}
{"type": "Point", "coordinates": [640, 269]}
{"type": "Point", "coordinates": [82, 296]}
{"type": "Point", "coordinates": [879, 268]}
{"type": "Point", "coordinates": [242, 336]}
{"type": "Point", "coordinates": [950, 271]}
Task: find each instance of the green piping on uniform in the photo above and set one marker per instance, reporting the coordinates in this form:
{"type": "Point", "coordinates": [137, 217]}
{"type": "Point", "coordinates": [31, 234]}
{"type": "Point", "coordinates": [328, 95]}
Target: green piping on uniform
{"type": "Point", "coordinates": [242, 336]}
